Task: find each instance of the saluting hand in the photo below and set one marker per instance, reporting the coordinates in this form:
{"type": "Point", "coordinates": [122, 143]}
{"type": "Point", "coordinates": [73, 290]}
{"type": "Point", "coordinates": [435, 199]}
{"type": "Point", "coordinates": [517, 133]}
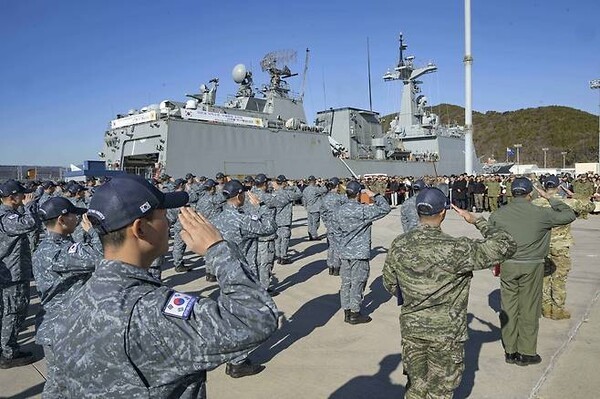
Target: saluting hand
{"type": "Point", "coordinates": [543, 193]}
{"type": "Point", "coordinates": [28, 198]}
{"type": "Point", "coordinates": [86, 225]}
{"type": "Point", "coordinates": [197, 232]}
{"type": "Point", "coordinates": [468, 216]}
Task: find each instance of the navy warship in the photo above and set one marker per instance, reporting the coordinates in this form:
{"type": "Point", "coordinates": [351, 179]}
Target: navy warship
{"type": "Point", "coordinates": [265, 130]}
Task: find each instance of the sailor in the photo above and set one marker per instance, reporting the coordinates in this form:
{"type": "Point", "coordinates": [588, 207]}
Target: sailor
{"type": "Point", "coordinates": [49, 191]}
{"type": "Point", "coordinates": [75, 193]}
{"type": "Point", "coordinates": [408, 211]}
{"type": "Point", "coordinates": [285, 197]}
{"type": "Point", "coordinates": [353, 221]}
{"type": "Point", "coordinates": [331, 201]}
{"type": "Point", "coordinates": [125, 334]}
{"type": "Point", "coordinates": [220, 179]}
{"type": "Point", "coordinates": [166, 184]}
{"type": "Point", "coordinates": [265, 253]}
{"type": "Point", "coordinates": [15, 257]}
{"type": "Point", "coordinates": [243, 229]}
{"type": "Point", "coordinates": [60, 265]}
{"type": "Point", "coordinates": [312, 199]}
{"type": "Point", "coordinates": [210, 205]}
{"type": "Point", "coordinates": [178, 244]}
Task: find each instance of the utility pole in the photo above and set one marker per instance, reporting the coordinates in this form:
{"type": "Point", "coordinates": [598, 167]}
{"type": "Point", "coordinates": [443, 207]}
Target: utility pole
{"type": "Point", "coordinates": [564, 154]}
{"type": "Point", "coordinates": [595, 84]}
{"type": "Point", "coordinates": [545, 149]}
{"type": "Point", "coordinates": [518, 147]}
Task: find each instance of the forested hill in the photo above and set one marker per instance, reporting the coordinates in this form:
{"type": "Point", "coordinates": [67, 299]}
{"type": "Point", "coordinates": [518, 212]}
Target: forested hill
{"type": "Point", "coordinates": [556, 128]}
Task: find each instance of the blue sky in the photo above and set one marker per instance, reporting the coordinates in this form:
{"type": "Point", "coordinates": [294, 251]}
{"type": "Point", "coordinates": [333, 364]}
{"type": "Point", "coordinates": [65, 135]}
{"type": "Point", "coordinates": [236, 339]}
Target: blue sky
{"type": "Point", "coordinates": [68, 67]}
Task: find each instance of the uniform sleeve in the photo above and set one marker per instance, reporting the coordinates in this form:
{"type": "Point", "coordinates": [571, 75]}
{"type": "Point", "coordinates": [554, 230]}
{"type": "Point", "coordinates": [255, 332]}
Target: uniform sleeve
{"type": "Point", "coordinates": [296, 194]}
{"type": "Point", "coordinates": [390, 279]}
{"type": "Point", "coordinates": [14, 224]}
{"type": "Point", "coordinates": [470, 254]}
{"type": "Point", "coordinates": [260, 224]}
{"type": "Point", "coordinates": [243, 316]}
{"type": "Point", "coordinates": [561, 213]}
{"type": "Point", "coordinates": [378, 210]}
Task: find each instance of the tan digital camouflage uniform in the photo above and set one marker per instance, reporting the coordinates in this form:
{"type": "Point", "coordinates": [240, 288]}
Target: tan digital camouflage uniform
{"type": "Point", "coordinates": [434, 271]}
{"type": "Point", "coordinates": [558, 262]}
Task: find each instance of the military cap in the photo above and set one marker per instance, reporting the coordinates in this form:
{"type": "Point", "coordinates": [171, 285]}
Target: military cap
{"type": "Point", "coordinates": [47, 184]}
{"type": "Point", "coordinates": [431, 201]}
{"type": "Point", "coordinates": [551, 182]}
{"type": "Point", "coordinates": [11, 187]}
{"type": "Point", "coordinates": [353, 188]}
{"type": "Point", "coordinates": [220, 175]}
{"type": "Point", "coordinates": [232, 188]}
{"type": "Point", "coordinates": [120, 201]}
{"type": "Point", "coordinates": [312, 178]}
{"type": "Point", "coordinates": [202, 178]}
{"type": "Point", "coordinates": [58, 206]}
{"type": "Point", "coordinates": [179, 182]}
{"type": "Point", "coordinates": [419, 185]}
{"type": "Point", "coordinates": [281, 179]}
{"type": "Point", "coordinates": [334, 181]}
{"type": "Point", "coordinates": [164, 176]}
{"type": "Point", "coordinates": [75, 188]}
{"type": "Point", "coordinates": [209, 183]}
{"type": "Point", "coordinates": [189, 176]}
{"type": "Point", "coordinates": [249, 179]}
{"type": "Point", "coordinates": [260, 178]}
{"type": "Point", "coordinates": [521, 186]}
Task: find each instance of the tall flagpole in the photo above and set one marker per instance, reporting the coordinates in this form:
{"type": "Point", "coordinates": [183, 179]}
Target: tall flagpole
{"type": "Point", "coordinates": [468, 60]}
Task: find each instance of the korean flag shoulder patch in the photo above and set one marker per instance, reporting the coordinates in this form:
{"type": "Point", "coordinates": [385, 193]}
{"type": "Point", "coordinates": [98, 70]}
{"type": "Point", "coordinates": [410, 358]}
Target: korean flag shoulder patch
{"type": "Point", "coordinates": [179, 305]}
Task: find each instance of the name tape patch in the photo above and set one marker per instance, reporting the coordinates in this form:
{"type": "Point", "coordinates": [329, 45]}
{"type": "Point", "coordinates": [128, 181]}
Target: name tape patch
{"type": "Point", "coordinates": [180, 305]}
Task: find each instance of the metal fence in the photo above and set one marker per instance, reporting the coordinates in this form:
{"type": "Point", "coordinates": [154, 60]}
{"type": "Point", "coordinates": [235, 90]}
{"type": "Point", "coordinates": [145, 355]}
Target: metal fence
{"type": "Point", "coordinates": [31, 172]}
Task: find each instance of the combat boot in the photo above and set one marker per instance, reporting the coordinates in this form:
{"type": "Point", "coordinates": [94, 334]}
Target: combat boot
{"type": "Point", "coordinates": [331, 271]}
{"type": "Point", "coordinates": [211, 278]}
{"type": "Point", "coordinates": [336, 271]}
{"type": "Point", "coordinates": [358, 318]}
{"type": "Point", "coordinates": [285, 261]}
{"type": "Point", "coordinates": [547, 311]}
{"type": "Point", "coordinates": [243, 369]}
{"type": "Point", "coordinates": [560, 314]}
{"type": "Point", "coordinates": [182, 268]}
{"type": "Point", "coordinates": [347, 313]}
{"type": "Point", "coordinates": [19, 359]}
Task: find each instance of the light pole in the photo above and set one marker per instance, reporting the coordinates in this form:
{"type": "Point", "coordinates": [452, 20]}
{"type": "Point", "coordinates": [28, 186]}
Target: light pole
{"type": "Point", "coordinates": [595, 84]}
{"type": "Point", "coordinates": [518, 147]}
{"type": "Point", "coordinates": [545, 149]}
{"type": "Point", "coordinates": [564, 154]}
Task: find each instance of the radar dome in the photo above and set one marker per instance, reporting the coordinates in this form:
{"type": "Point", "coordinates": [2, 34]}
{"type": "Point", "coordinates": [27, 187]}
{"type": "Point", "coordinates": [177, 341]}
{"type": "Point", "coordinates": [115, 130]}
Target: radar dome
{"type": "Point", "coordinates": [239, 73]}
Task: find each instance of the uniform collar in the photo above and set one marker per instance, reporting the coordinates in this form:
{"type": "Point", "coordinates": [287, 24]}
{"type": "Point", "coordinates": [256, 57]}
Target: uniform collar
{"type": "Point", "coordinates": [125, 270]}
{"type": "Point", "coordinates": [54, 236]}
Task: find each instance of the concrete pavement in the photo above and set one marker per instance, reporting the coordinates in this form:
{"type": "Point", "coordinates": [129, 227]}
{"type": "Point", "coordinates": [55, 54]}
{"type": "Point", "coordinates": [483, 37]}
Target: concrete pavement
{"type": "Point", "coordinates": [316, 355]}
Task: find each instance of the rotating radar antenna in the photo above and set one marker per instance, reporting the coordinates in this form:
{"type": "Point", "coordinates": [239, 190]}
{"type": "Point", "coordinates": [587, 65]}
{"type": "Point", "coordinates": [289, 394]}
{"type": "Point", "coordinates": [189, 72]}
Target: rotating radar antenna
{"type": "Point", "coordinates": [274, 63]}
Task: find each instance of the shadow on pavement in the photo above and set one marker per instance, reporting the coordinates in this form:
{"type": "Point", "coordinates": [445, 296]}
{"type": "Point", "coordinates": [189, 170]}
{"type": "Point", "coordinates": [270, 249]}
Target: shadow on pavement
{"type": "Point", "coordinates": [312, 315]}
{"type": "Point", "coordinates": [28, 393]}
{"type": "Point", "coordinates": [376, 296]}
{"type": "Point", "coordinates": [472, 350]}
{"type": "Point", "coordinates": [305, 273]}
{"type": "Point", "coordinates": [374, 386]}
{"type": "Point", "coordinates": [312, 250]}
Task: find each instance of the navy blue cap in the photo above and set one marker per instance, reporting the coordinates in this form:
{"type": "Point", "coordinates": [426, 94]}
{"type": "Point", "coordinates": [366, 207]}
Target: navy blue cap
{"type": "Point", "coordinates": [11, 187]}
{"type": "Point", "coordinates": [180, 182]}
{"type": "Point", "coordinates": [419, 185]}
{"type": "Point", "coordinates": [551, 182]}
{"type": "Point", "coordinates": [353, 187]}
{"type": "Point", "coordinates": [248, 179]}
{"type": "Point", "coordinates": [75, 188]}
{"type": "Point", "coordinates": [47, 184]}
{"type": "Point", "coordinates": [164, 176]}
{"type": "Point", "coordinates": [57, 206]}
{"type": "Point", "coordinates": [312, 178]}
{"type": "Point", "coordinates": [209, 183]}
{"type": "Point", "coordinates": [281, 179]}
{"type": "Point", "coordinates": [431, 201]}
{"type": "Point", "coordinates": [121, 200]}
{"type": "Point", "coordinates": [220, 175]}
{"type": "Point", "coordinates": [232, 188]}
{"type": "Point", "coordinates": [202, 178]}
{"type": "Point", "coordinates": [260, 178]}
{"type": "Point", "coordinates": [334, 181]}
{"type": "Point", "coordinates": [521, 186]}
{"type": "Point", "coordinates": [189, 176]}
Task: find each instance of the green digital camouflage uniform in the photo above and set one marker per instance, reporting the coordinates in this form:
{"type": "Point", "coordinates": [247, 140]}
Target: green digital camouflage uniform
{"type": "Point", "coordinates": [558, 263]}
{"type": "Point", "coordinates": [434, 271]}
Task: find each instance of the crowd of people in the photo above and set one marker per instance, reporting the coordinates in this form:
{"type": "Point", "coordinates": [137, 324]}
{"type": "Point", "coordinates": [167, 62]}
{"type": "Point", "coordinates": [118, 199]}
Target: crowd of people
{"type": "Point", "coordinates": [103, 245]}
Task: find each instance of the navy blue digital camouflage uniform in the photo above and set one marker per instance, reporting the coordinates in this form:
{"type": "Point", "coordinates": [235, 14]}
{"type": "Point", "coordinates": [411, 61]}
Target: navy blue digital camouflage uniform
{"type": "Point", "coordinates": [15, 271]}
{"type": "Point", "coordinates": [284, 198]}
{"type": "Point", "coordinates": [59, 265]}
{"type": "Point", "coordinates": [332, 201]}
{"type": "Point", "coordinates": [353, 221]}
{"type": "Point", "coordinates": [128, 336]}
{"type": "Point", "coordinates": [210, 205]}
{"type": "Point", "coordinates": [265, 251]}
{"type": "Point", "coordinates": [312, 198]}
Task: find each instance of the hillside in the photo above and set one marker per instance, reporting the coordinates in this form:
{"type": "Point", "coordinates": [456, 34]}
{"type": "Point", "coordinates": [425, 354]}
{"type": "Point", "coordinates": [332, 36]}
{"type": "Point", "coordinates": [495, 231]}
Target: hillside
{"type": "Point", "coordinates": [555, 127]}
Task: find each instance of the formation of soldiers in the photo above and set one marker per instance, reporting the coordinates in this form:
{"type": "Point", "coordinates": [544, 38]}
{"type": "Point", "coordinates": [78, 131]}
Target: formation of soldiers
{"type": "Point", "coordinates": [109, 237]}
